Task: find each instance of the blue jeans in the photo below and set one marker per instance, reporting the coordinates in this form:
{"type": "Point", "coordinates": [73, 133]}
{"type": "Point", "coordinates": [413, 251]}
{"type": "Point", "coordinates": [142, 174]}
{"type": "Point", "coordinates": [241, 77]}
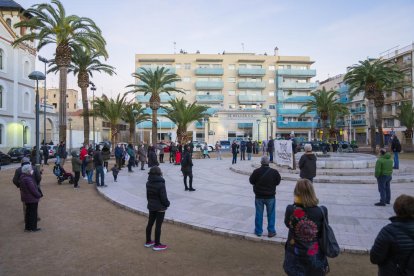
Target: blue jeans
{"type": "Point", "coordinates": [234, 160]}
{"type": "Point", "coordinates": [396, 161]}
{"type": "Point", "coordinates": [100, 172]}
{"type": "Point", "coordinates": [271, 215]}
{"type": "Point", "coordinates": [384, 188]}
{"type": "Point", "coordinates": [271, 156]}
{"type": "Point", "coordinates": [89, 174]}
{"type": "Point", "coordinates": [83, 167]}
{"type": "Point", "coordinates": [249, 156]}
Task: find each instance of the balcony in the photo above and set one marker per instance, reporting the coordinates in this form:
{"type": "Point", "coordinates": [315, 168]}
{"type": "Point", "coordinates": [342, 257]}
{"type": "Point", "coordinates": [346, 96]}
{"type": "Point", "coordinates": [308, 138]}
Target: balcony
{"type": "Point", "coordinates": [295, 99]}
{"type": "Point", "coordinates": [251, 85]}
{"type": "Point", "coordinates": [148, 124]}
{"type": "Point", "coordinates": [245, 125]}
{"type": "Point", "coordinates": [285, 111]}
{"type": "Point", "coordinates": [209, 85]}
{"type": "Point", "coordinates": [358, 110]}
{"type": "Point", "coordinates": [139, 70]}
{"type": "Point", "coordinates": [297, 85]}
{"type": "Point", "coordinates": [297, 72]}
{"type": "Point", "coordinates": [361, 122]}
{"type": "Point", "coordinates": [251, 99]}
{"type": "Point", "coordinates": [145, 99]}
{"type": "Point", "coordinates": [160, 111]}
{"type": "Point", "coordinates": [168, 85]}
{"type": "Point", "coordinates": [251, 72]}
{"type": "Point", "coordinates": [209, 98]}
{"type": "Point", "coordinates": [199, 125]}
{"type": "Point", "coordinates": [209, 71]}
{"type": "Point", "coordinates": [387, 113]}
{"type": "Point", "coordinates": [282, 124]}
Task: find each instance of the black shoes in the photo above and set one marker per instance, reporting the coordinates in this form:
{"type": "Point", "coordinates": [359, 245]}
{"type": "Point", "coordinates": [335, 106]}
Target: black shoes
{"type": "Point", "coordinates": [379, 204]}
{"type": "Point", "coordinates": [191, 190]}
{"type": "Point", "coordinates": [186, 189]}
{"type": "Point", "coordinates": [34, 230]}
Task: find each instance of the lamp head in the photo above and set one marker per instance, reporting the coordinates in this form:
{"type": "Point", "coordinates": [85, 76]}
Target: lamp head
{"type": "Point", "coordinates": [42, 59]}
{"type": "Point", "coordinates": [135, 112]}
{"type": "Point", "coordinates": [36, 75]}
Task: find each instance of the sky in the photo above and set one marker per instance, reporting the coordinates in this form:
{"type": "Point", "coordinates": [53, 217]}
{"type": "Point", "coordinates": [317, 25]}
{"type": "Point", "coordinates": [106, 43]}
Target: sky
{"type": "Point", "coordinates": [335, 34]}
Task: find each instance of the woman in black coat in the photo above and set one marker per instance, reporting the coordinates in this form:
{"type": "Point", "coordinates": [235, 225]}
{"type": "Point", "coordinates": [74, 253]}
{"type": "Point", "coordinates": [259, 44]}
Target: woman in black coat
{"type": "Point", "coordinates": [152, 157]}
{"type": "Point", "coordinates": [393, 249]}
{"type": "Point", "coordinates": [157, 205]}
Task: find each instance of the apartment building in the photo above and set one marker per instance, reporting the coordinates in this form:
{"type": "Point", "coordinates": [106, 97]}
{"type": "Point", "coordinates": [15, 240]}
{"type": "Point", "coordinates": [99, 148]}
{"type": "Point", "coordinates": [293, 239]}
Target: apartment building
{"type": "Point", "coordinates": [73, 99]}
{"type": "Point", "coordinates": [239, 88]}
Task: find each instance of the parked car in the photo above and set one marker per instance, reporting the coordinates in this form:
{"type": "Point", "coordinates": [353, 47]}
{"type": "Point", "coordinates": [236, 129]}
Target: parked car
{"type": "Point", "coordinates": [18, 153]}
{"type": "Point", "coordinates": [225, 145]}
{"type": "Point", "coordinates": [5, 159]}
{"type": "Point", "coordinates": [200, 146]}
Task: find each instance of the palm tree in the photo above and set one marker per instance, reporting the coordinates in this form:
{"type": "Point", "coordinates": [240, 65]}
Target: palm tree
{"type": "Point", "coordinates": [49, 24]}
{"type": "Point", "coordinates": [406, 118]}
{"type": "Point", "coordinates": [182, 114]}
{"type": "Point", "coordinates": [340, 110]}
{"type": "Point", "coordinates": [110, 110]}
{"type": "Point", "coordinates": [373, 77]}
{"type": "Point", "coordinates": [134, 113]}
{"type": "Point", "coordinates": [323, 102]}
{"type": "Point", "coordinates": [83, 64]}
{"type": "Point", "coordinates": [154, 83]}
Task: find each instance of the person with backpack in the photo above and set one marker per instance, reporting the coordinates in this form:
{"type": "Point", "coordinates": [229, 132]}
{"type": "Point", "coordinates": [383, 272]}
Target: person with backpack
{"type": "Point", "coordinates": [393, 249]}
{"type": "Point", "coordinates": [396, 149]}
{"type": "Point", "coordinates": [76, 168]}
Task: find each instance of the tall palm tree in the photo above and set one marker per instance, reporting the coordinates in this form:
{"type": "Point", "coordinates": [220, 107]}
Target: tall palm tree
{"type": "Point", "coordinates": [373, 77]}
{"type": "Point", "coordinates": [110, 110]}
{"type": "Point", "coordinates": [323, 102]}
{"type": "Point", "coordinates": [83, 64]}
{"type": "Point", "coordinates": [155, 82]}
{"type": "Point", "coordinates": [49, 24]}
{"type": "Point", "coordinates": [340, 110]}
{"type": "Point", "coordinates": [183, 114]}
{"type": "Point", "coordinates": [134, 113]}
{"type": "Point", "coordinates": [406, 118]}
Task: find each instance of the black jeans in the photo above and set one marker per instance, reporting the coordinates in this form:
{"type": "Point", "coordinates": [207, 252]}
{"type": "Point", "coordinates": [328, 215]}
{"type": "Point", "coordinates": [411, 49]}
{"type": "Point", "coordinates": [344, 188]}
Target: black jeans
{"type": "Point", "coordinates": [242, 155]}
{"type": "Point", "coordinates": [45, 158]}
{"type": "Point", "coordinates": [31, 216]}
{"type": "Point", "coordinates": [157, 217]}
{"type": "Point", "coordinates": [76, 179]}
{"type": "Point", "coordinates": [161, 158]}
{"type": "Point", "coordinates": [190, 176]}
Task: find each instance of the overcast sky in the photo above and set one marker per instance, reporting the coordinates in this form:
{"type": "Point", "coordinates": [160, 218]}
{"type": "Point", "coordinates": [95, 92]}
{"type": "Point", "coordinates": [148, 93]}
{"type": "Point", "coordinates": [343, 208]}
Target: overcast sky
{"type": "Point", "coordinates": [335, 34]}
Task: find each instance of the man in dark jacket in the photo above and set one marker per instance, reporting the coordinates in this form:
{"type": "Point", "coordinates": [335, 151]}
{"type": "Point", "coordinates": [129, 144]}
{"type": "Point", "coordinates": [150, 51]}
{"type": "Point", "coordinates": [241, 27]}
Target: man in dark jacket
{"type": "Point", "coordinates": [249, 149]}
{"type": "Point", "coordinates": [396, 149]}
{"type": "Point", "coordinates": [264, 181]}
{"type": "Point", "coordinates": [242, 150]}
{"type": "Point", "coordinates": [307, 163]}
{"type": "Point", "coordinates": [62, 153]}
{"type": "Point", "coordinates": [271, 148]}
{"type": "Point", "coordinates": [45, 152]}
{"type": "Point", "coordinates": [118, 156]}
{"type": "Point", "coordinates": [98, 163]}
{"type": "Point", "coordinates": [393, 249]}
{"type": "Point", "coordinates": [234, 151]}
{"type": "Point", "coordinates": [187, 168]}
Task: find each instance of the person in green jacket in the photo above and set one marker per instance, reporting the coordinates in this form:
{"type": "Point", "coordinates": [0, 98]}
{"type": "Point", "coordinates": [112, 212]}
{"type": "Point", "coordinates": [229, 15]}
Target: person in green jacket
{"type": "Point", "coordinates": [383, 173]}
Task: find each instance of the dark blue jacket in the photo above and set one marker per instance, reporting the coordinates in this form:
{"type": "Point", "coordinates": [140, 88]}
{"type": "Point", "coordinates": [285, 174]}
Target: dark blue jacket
{"type": "Point", "coordinates": [118, 152]}
{"type": "Point", "coordinates": [157, 194]}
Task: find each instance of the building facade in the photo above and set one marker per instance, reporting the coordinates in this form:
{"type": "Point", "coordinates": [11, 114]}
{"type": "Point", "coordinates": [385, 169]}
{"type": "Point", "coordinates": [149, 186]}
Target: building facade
{"type": "Point", "coordinates": [17, 95]}
{"type": "Point", "coordinates": [73, 101]}
{"type": "Point", "coordinates": [240, 90]}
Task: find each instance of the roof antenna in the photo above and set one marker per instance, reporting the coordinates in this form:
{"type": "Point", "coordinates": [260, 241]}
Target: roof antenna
{"type": "Point", "coordinates": [242, 46]}
{"type": "Point", "coordinates": [175, 44]}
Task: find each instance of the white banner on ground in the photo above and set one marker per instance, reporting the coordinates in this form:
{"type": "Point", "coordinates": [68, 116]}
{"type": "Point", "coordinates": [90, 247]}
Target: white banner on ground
{"type": "Point", "coordinates": [284, 155]}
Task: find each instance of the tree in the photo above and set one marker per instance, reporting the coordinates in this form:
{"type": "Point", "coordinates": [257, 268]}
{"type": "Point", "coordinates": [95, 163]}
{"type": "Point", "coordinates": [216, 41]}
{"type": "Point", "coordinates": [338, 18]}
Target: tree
{"type": "Point", "coordinates": [182, 114]}
{"type": "Point", "coordinates": [406, 118]}
{"type": "Point", "coordinates": [340, 110]}
{"type": "Point", "coordinates": [322, 103]}
{"type": "Point", "coordinates": [373, 77]}
{"type": "Point", "coordinates": [49, 24]}
{"type": "Point", "coordinates": [133, 114]}
{"type": "Point", "coordinates": [110, 110]}
{"type": "Point", "coordinates": [155, 82]}
{"type": "Point", "coordinates": [83, 64]}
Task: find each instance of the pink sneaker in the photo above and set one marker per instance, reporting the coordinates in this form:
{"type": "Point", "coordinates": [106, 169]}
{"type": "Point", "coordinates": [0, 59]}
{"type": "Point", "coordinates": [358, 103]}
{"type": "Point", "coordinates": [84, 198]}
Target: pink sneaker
{"type": "Point", "coordinates": [159, 247]}
{"type": "Point", "coordinates": [149, 244]}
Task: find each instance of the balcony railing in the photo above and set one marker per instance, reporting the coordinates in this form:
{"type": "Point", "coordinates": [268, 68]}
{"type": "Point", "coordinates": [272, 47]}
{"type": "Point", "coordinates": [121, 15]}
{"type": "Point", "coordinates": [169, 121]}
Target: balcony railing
{"type": "Point", "coordinates": [295, 99]}
{"type": "Point", "coordinates": [209, 71]}
{"type": "Point", "coordinates": [171, 70]}
{"type": "Point", "coordinates": [145, 99]}
{"type": "Point", "coordinates": [167, 85]}
{"type": "Point", "coordinates": [209, 98]}
{"type": "Point", "coordinates": [148, 124]}
{"type": "Point", "coordinates": [282, 124]}
{"type": "Point", "coordinates": [251, 72]}
{"type": "Point", "coordinates": [160, 111]}
{"type": "Point", "coordinates": [251, 99]}
{"type": "Point", "coordinates": [251, 85]}
{"type": "Point", "coordinates": [297, 72]}
{"type": "Point", "coordinates": [199, 125]}
{"type": "Point", "coordinates": [245, 125]}
{"type": "Point", "coordinates": [286, 111]}
{"type": "Point", "coordinates": [358, 110]}
{"type": "Point", "coordinates": [209, 85]}
{"type": "Point", "coordinates": [297, 85]}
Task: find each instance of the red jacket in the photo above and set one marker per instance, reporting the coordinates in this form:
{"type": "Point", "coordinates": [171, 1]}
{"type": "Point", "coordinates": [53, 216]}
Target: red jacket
{"type": "Point", "coordinates": [83, 152]}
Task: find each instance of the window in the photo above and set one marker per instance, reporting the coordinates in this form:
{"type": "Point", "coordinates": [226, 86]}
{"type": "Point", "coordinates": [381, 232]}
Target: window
{"type": "Point", "coordinates": [271, 81]}
{"type": "Point", "coordinates": [1, 59]}
{"type": "Point", "coordinates": [74, 106]}
{"type": "Point", "coordinates": [178, 66]}
{"type": "Point", "coordinates": [1, 134]}
{"type": "Point", "coordinates": [216, 65]}
{"type": "Point", "coordinates": [26, 69]}
{"type": "Point", "coordinates": [1, 97]}
{"type": "Point", "coordinates": [8, 21]}
{"type": "Point", "coordinates": [242, 66]}
{"type": "Point", "coordinates": [232, 80]}
{"type": "Point", "coordinates": [271, 67]}
{"type": "Point", "coordinates": [232, 66]}
{"type": "Point", "coordinates": [26, 102]}
{"type": "Point", "coordinates": [187, 66]}
{"type": "Point", "coordinates": [25, 131]}
{"type": "Point", "coordinates": [55, 105]}
{"type": "Point", "coordinates": [232, 106]}
{"type": "Point", "coordinates": [271, 94]}
{"type": "Point", "coordinates": [272, 106]}
{"type": "Point", "coordinates": [232, 92]}
{"type": "Point", "coordinates": [203, 66]}
{"type": "Point", "coordinates": [186, 79]}
{"type": "Point", "coordinates": [54, 96]}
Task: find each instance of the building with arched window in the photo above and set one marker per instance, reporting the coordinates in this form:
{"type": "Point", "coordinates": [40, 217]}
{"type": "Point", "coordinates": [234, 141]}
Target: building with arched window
{"type": "Point", "coordinates": [17, 95]}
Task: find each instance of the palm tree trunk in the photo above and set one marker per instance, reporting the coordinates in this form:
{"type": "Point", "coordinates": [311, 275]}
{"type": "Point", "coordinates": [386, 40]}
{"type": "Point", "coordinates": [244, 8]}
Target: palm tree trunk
{"type": "Point", "coordinates": [86, 127]}
{"type": "Point", "coordinates": [324, 130]}
{"type": "Point", "coordinates": [371, 124]}
{"type": "Point", "coordinates": [378, 122]}
{"type": "Point", "coordinates": [154, 127]}
{"type": "Point", "coordinates": [63, 73]}
{"type": "Point", "coordinates": [131, 132]}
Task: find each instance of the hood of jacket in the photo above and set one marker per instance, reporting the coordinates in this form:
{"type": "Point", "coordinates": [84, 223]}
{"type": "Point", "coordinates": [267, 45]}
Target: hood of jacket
{"type": "Point", "coordinates": [310, 156]}
{"type": "Point", "coordinates": [387, 155]}
{"type": "Point", "coordinates": [155, 178]}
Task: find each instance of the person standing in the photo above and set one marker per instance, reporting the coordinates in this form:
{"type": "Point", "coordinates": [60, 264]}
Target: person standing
{"type": "Point", "coordinates": [142, 156]}
{"type": "Point", "coordinates": [205, 152]}
{"type": "Point", "coordinates": [83, 153]}
{"type": "Point", "coordinates": [115, 171]}
{"type": "Point", "coordinates": [304, 219]}
{"type": "Point", "coordinates": [76, 168]}
{"type": "Point", "coordinates": [242, 150]}
{"type": "Point", "coordinates": [217, 147]}
{"type": "Point", "coordinates": [89, 168]}
{"type": "Point", "coordinates": [383, 173]}
{"type": "Point", "coordinates": [271, 148]}
{"type": "Point", "coordinates": [62, 153]}
{"type": "Point", "coordinates": [106, 155]}
{"type": "Point", "coordinates": [157, 205]}
{"type": "Point", "coordinates": [131, 159]}
{"type": "Point", "coordinates": [234, 151]}
{"type": "Point", "coordinates": [160, 150]}
{"type": "Point", "coordinates": [152, 157]}
{"type": "Point", "coordinates": [45, 151]}
{"type": "Point", "coordinates": [264, 181]}
{"type": "Point", "coordinates": [118, 156]}
{"type": "Point", "coordinates": [173, 150]}
{"type": "Point", "coordinates": [307, 163]}
{"type": "Point", "coordinates": [187, 168]}
{"type": "Point", "coordinates": [249, 149]}
{"type": "Point", "coordinates": [393, 249]}
{"type": "Point", "coordinates": [99, 171]}
{"type": "Point", "coordinates": [191, 147]}
{"type": "Point", "coordinates": [30, 195]}
{"type": "Point", "coordinates": [396, 149]}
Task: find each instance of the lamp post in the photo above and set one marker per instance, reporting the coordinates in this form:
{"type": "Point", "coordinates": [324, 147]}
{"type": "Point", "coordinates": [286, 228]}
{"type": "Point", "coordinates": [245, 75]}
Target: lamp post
{"type": "Point", "coordinates": [271, 129]}
{"type": "Point", "coordinates": [135, 112]}
{"type": "Point", "coordinates": [93, 88]}
{"type": "Point", "coordinates": [45, 61]}
{"type": "Point", "coordinates": [258, 129]}
{"type": "Point", "coordinates": [23, 131]}
{"type": "Point", "coordinates": [267, 115]}
{"type": "Point", "coordinates": [350, 129]}
{"type": "Point", "coordinates": [36, 75]}
{"type": "Point", "coordinates": [70, 134]}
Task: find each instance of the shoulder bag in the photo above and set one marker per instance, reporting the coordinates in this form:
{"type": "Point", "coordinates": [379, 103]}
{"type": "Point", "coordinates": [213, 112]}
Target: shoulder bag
{"type": "Point", "coordinates": [327, 242]}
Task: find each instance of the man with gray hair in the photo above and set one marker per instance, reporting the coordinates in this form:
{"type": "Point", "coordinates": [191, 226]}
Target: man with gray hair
{"type": "Point", "coordinates": [307, 163]}
{"type": "Point", "coordinates": [264, 181]}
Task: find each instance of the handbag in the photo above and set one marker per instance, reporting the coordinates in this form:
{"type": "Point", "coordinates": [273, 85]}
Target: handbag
{"type": "Point", "coordinates": [328, 243]}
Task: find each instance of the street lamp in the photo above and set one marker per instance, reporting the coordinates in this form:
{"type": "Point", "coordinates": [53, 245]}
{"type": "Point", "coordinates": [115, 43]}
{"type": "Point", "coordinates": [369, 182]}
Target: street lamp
{"type": "Point", "coordinates": [23, 132]}
{"type": "Point", "coordinates": [267, 115]}
{"type": "Point", "coordinates": [135, 112]}
{"type": "Point", "coordinates": [70, 134]}
{"type": "Point", "coordinates": [45, 61]}
{"type": "Point", "coordinates": [350, 129]}
{"type": "Point", "coordinates": [93, 88]}
{"type": "Point", "coordinates": [258, 129]}
{"type": "Point", "coordinates": [36, 75]}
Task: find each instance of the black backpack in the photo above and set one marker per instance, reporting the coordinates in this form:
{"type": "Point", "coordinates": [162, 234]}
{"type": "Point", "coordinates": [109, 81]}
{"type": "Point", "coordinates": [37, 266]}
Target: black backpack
{"type": "Point", "coordinates": [397, 146]}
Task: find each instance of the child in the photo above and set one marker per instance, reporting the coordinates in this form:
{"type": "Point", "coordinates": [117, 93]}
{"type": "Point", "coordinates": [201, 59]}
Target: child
{"type": "Point", "coordinates": [115, 171]}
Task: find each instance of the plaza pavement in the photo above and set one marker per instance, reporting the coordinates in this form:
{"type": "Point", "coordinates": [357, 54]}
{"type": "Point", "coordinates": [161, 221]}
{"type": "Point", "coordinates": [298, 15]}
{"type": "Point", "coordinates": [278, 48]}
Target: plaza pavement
{"type": "Point", "coordinates": [224, 202]}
